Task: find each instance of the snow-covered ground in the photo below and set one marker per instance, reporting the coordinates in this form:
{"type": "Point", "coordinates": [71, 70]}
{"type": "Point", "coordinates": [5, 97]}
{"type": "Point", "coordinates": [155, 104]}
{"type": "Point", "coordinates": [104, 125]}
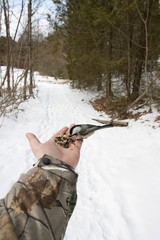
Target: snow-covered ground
{"type": "Point", "coordinates": [119, 171]}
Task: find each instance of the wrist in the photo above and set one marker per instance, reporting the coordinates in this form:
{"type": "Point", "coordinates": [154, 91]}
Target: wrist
{"type": "Point", "coordinates": [47, 162]}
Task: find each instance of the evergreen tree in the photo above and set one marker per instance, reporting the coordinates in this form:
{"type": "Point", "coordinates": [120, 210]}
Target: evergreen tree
{"type": "Point", "coordinates": [108, 39]}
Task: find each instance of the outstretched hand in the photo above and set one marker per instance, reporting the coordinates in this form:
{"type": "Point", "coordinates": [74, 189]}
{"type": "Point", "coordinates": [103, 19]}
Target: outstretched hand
{"type": "Point", "coordinates": [69, 155]}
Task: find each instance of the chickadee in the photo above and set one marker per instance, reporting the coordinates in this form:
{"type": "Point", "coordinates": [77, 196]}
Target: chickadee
{"type": "Point", "coordinates": [85, 130]}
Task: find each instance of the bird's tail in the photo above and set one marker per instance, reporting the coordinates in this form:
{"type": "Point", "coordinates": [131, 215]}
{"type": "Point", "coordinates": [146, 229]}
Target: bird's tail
{"type": "Point", "coordinates": [105, 126]}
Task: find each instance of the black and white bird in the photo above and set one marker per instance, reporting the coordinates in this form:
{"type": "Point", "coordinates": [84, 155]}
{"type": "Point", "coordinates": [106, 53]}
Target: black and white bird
{"type": "Point", "coordinates": [85, 130]}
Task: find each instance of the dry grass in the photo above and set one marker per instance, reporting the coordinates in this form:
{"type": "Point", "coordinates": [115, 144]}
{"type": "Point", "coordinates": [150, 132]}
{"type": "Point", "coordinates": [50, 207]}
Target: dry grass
{"type": "Point", "coordinates": [157, 119]}
{"type": "Point", "coordinates": [113, 107]}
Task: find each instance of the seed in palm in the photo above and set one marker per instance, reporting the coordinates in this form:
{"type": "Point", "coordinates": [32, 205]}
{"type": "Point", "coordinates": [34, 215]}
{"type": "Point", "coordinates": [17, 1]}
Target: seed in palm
{"type": "Point", "coordinates": [64, 140]}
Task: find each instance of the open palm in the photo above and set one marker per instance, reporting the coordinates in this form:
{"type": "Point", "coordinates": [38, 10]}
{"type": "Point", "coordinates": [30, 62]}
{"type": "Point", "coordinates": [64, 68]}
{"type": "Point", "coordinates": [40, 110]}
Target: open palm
{"type": "Point", "coordinates": [69, 155]}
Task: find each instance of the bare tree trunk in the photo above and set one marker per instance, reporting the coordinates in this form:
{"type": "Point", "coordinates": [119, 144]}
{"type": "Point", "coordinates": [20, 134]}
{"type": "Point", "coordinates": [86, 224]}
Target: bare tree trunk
{"type": "Point", "coordinates": [128, 80]}
{"type": "Point", "coordinates": [146, 23]}
{"type": "Point", "coordinates": [0, 17]}
{"type": "Point", "coordinates": [129, 47]}
{"type": "Point", "coordinates": [0, 56]}
{"type": "Point", "coordinates": [25, 84]}
{"type": "Point", "coordinates": [142, 54]}
{"type": "Point", "coordinates": [30, 57]}
{"type": "Point", "coordinates": [139, 63]}
{"type": "Point", "coordinates": [8, 42]}
{"type": "Point", "coordinates": [109, 75]}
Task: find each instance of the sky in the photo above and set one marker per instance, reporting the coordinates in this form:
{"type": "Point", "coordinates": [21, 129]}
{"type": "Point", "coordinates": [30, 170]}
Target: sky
{"type": "Point", "coordinates": [40, 22]}
{"type": "Point", "coordinates": [119, 170]}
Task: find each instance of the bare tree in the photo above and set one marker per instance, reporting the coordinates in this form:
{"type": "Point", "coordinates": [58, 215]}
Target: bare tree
{"type": "Point", "coordinates": [30, 57]}
{"type": "Point", "coordinates": [0, 17]}
{"type": "Point", "coordinates": [12, 94]}
{"type": "Point", "coordinates": [145, 17]}
{"type": "Point", "coordinates": [8, 42]}
{"type": "Point", "coordinates": [0, 35]}
{"type": "Point", "coordinates": [19, 53]}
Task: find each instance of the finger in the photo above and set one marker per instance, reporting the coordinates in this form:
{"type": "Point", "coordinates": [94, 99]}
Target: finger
{"type": "Point", "coordinates": [78, 143]}
{"type": "Point", "coordinates": [33, 140]}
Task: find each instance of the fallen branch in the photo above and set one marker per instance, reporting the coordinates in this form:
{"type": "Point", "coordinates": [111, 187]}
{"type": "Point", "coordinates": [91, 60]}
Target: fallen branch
{"type": "Point", "coordinates": [131, 105]}
{"type": "Point", "coordinates": [115, 123]}
{"type": "Point", "coordinates": [120, 123]}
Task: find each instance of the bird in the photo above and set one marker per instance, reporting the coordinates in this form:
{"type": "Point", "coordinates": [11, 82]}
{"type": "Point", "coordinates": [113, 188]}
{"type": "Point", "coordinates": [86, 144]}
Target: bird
{"type": "Point", "coordinates": [83, 131]}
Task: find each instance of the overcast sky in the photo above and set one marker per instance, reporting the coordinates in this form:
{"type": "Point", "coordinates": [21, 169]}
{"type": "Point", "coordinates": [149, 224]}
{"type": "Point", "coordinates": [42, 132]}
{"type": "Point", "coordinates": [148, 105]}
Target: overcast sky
{"type": "Point", "coordinates": [40, 17]}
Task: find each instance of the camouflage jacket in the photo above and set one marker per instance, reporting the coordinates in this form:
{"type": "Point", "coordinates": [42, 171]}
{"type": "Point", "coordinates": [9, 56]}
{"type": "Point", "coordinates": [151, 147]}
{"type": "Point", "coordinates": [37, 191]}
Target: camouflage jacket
{"type": "Point", "coordinates": [40, 203]}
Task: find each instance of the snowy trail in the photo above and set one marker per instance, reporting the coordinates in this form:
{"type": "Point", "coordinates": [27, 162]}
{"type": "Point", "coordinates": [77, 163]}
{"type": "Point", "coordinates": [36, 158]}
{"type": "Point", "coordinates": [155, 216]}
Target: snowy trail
{"type": "Point", "coordinates": [119, 172]}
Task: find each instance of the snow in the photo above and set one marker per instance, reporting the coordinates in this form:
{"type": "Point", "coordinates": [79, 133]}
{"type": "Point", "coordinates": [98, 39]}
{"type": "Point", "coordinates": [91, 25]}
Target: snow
{"type": "Point", "coordinates": [119, 171]}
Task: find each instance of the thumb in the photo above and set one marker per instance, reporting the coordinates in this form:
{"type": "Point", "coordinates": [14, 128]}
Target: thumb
{"type": "Point", "coordinates": [33, 140]}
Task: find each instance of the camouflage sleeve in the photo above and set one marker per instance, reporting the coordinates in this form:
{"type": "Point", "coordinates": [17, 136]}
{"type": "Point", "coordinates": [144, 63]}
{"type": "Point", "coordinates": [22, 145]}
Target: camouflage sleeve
{"type": "Point", "coordinates": [40, 204]}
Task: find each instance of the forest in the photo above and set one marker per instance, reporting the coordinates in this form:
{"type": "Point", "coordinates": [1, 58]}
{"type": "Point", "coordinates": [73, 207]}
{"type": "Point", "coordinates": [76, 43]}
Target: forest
{"type": "Point", "coordinates": [107, 46]}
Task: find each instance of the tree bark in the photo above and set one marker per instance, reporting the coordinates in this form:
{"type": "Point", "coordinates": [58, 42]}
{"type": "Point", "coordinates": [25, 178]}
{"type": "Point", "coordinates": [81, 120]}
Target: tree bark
{"type": "Point", "coordinates": [30, 57]}
{"type": "Point", "coordinates": [142, 53]}
{"type": "Point", "coordinates": [109, 75]}
{"type": "Point", "coordinates": [8, 43]}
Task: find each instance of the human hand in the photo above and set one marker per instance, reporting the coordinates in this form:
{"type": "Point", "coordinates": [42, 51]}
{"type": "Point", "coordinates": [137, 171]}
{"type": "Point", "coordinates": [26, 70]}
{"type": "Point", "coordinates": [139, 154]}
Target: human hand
{"type": "Point", "coordinates": [69, 155]}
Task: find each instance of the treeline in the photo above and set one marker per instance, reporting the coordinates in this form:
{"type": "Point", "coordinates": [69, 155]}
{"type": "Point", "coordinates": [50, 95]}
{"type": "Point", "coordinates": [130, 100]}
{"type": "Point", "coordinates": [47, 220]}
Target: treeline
{"type": "Point", "coordinates": [109, 40]}
{"type": "Point", "coordinates": [47, 53]}
{"type": "Point", "coordinates": [26, 49]}
{"type": "Point", "coordinates": [14, 90]}
{"type": "Point", "coordinates": [94, 43]}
